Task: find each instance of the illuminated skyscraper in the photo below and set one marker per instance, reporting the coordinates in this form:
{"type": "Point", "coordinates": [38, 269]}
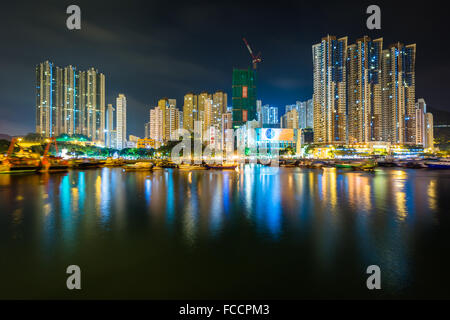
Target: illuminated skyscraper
{"type": "Point", "coordinates": [172, 123]}
{"type": "Point", "coordinates": [424, 125]}
{"type": "Point", "coordinates": [429, 133]}
{"type": "Point", "coordinates": [68, 113]}
{"type": "Point", "coordinates": [309, 113]}
{"type": "Point", "coordinates": [220, 99]}
{"type": "Point", "coordinates": [95, 105]}
{"type": "Point", "coordinates": [202, 100]}
{"type": "Point", "coordinates": [156, 124]}
{"type": "Point", "coordinates": [190, 111]}
{"type": "Point", "coordinates": [227, 124]}
{"type": "Point", "coordinates": [363, 93]}
{"type": "Point", "coordinates": [269, 115]}
{"type": "Point", "coordinates": [329, 82]}
{"type": "Point", "coordinates": [364, 89]}
{"type": "Point", "coordinates": [290, 119]}
{"type": "Point", "coordinates": [109, 126]}
{"type": "Point", "coordinates": [121, 121]}
{"type": "Point", "coordinates": [399, 108]}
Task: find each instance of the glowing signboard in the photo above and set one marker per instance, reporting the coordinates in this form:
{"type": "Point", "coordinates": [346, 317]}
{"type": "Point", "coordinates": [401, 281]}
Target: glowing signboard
{"type": "Point", "coordinates": [277, 134]}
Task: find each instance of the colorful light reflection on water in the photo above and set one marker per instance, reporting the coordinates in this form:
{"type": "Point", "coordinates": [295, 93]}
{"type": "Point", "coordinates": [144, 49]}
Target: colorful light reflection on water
{"type": "Point", "coordinates": [261, 233]}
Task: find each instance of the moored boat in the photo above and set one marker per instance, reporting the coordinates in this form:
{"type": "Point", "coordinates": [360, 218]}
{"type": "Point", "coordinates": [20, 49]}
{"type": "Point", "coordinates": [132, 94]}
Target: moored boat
{"type": "Point", "coordinates": [344, 165]}
{"type": "Point", "coordinates": [167, 164]}
{"type": "Point", "coordinates": [16, 166]}
{"type": "Point", "coordinates": [139, 166]}
{"type": "Point", "coordinates": [86, 164]}
{"type": "Point", "coordinates": [191, 167]}
{"type": "Point", "coordinates": [53, 164]}
{"type": "Point", "coordinates": [225, 166]}
{"type": "Point", "coordinates": [111, 162]}
{"type": "Point", "coordinates": [441, 165]}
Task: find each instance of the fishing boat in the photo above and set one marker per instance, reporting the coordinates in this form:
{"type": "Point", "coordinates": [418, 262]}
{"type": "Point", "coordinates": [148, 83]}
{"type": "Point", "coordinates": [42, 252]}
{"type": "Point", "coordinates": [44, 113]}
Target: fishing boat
{"type": "Point", "coordinates": [53, 164]}
{"type": "Point", "coordinates": [225, 166]}
{"type": "Point", "coordinates": [16, 166]}
{"type": "Point", "coordinates": [440, 165]}
{"type": "Point", "coordinates": [139, 166]}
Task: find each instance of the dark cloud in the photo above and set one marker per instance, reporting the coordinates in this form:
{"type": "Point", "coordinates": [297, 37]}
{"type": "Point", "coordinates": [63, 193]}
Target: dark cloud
{"type": "Point", "coordinates": [153, 49]}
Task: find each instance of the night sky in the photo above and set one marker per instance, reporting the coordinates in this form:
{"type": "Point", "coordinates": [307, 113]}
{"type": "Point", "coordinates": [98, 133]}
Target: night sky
{"type": "Point", "coordinates": [153, 49]}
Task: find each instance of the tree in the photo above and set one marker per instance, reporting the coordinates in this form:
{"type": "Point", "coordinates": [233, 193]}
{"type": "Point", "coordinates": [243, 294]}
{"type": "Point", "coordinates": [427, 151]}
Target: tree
{"type": "Point", "coordinates": [4, 145]}
{"type": "Point", "coordinates": [34, 137]}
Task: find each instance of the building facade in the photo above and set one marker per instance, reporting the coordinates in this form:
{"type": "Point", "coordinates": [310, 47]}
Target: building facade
{"type": "Point", "coordinates": [121, 122]}
{"type": "Point", "coordinates": [244, 96]}
{"type": "Point", "coordinates": [70, 102]}
{"type": "Point", "coordinates": [362, 92]}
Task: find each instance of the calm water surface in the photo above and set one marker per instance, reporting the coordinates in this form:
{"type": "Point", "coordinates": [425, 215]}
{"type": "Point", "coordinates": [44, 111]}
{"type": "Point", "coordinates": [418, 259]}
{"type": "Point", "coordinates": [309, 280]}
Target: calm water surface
{"type": "Point", "coordinates": [261, 233]}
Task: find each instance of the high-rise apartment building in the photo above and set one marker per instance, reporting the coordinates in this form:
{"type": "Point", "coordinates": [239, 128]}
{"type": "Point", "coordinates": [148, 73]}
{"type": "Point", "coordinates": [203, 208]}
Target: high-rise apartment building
{"type": "Point", "coordinates": [47, 107]}
{"type": "Point", "coordinates": [364, 88]}
{"type": "Point", "coordinates": [399, 94]}
{"type": "Point", "coordinates": [220, 99]}
{"type": "Point", "coordinates": [227, 124]}
{"type": "Point", "coordinates": [363, 93]}
{"type": "Point", "coordinates": [172, 123]}
{"type": "Point", "coordinates": [70, 102]}
{"type": "Point", "coordinates": [68, 113]}
{"type": "Point", "coordinates": [290, 119]}
{"type": "Point", "coordinates": [164, 121]}
{"type": "Point", "coordinates": [424, 125]}
{"type": "Point", "coordinates": [429, 133]}
{"type": "Point", "coordinates": [421, 110]}
{"type": "Point", "coordinates": [309, 114]}
{"type": "Point", "coordinates": [109, 126]}
{"type": "Point", "coordinates": [156, 124]}
{"type": "Point", "coordinates": [95, 104]}
{"type": "Point", "coordinates": [190, 111]}
{"type": "Point", "coordinates": [329, 82]}
{"type": "Point", "coordinates": [269, 115]}
{"type": "Point", "coordinates": [121, 121]}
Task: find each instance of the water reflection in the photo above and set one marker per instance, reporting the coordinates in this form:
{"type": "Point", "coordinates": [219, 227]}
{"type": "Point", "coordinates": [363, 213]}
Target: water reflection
{"type": "Point", "coordinates": [334, 217]}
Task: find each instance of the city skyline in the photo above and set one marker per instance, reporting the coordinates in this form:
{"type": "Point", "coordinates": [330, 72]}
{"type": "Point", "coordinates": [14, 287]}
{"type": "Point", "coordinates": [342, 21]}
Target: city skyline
{"type": "Point", "coordinates": [284, 76]}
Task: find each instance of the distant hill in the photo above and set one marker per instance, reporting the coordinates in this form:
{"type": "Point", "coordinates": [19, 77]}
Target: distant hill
{"type": "Point", "coordinates": [440, 117]}
{"type": "Point", "coordinates": [5, 137]}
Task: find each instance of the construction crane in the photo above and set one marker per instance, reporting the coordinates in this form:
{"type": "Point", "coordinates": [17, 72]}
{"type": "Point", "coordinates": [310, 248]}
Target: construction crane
{"type": "Point", "coordinates": [255, 59]}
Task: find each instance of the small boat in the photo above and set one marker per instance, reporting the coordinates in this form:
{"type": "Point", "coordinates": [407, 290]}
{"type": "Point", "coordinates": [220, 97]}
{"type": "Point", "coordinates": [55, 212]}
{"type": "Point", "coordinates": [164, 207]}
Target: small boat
{"type": "Point", "coordinates": [139, 166]}
{"type": "Point", "coordinates": [415, 165]}
{"type": "Point", "coordinates": [368, 166]}
{"type": "Point", "coordinates": [317, 165]}
{"type": "Point", "coordinates": [167, 164]}
{"type": "Point", "coordinates": [439, 165]}
{"type": "Point", "coordinates": [86, 164]}
{"type": "Point", "coordinates": [191, 167]}
{"type": "Point", "coordinates": [225, 166]}
{"type": "Point", "coordinates": [344, 165]}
